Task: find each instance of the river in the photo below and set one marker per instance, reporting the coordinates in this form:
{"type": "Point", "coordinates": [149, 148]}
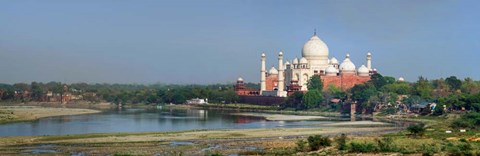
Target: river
{"type": "Point", "coordinates": [145, 120]}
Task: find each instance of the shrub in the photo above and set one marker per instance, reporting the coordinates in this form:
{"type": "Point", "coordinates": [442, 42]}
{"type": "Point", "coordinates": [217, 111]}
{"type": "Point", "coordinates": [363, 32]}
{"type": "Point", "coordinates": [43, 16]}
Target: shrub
{"type": "Point", "coordinates": [317, 141]}
{"type": "Point", "coordinates": [462, 148]}
{"type": "Point", "coordinates": [469, 120]}
{"type": "Point", "coordinates": [386, 145]}
{"type": "Point", "coordinates": [438, 111]}
{"type": "Point", "coordinates": [301, 146]}
{"type": "Point", "coordinates": [429, 150]}
{"type": "Point", "coordinates": [416, 130]}
{"type": "Point", "coordinates": [362, 147]}
{"type": "Point", "coordinates": [341, 142]}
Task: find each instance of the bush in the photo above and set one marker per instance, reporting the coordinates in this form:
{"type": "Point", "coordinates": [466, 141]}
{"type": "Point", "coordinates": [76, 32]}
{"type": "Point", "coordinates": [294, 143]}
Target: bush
{"type": "Point", "coordinates": [416, 130]}
{"type": "Point", "coordinates": [429, 150]}
{"type": "Point", "coordinates": [438, 111]}
{"type": "Point", "coordinates": [301, 146]}
{"type": "Point", "coordinates": [362, 147]}
{"type": "Point", "coordinates": [462, 148]}
{"type": "Point", "coordinates": [317, 141]}
{"type": "Point", "coordinates": [341, 142]}
{"type": "Point", "coordinates": [469, 120]}
{"type": "Point", "coordinates": [386, 145]}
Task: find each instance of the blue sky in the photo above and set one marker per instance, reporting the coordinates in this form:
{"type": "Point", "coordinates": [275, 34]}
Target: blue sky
{"type": "Point", "coordinates": [204, 42]}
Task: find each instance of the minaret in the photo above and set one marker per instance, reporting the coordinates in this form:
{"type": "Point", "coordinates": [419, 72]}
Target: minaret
{"type": "Point", "coordinates": [262, 75]}
{"type": "Point", "coordinates": [369, 61]}
{"type": "Point", "coordinates": [281, 84]}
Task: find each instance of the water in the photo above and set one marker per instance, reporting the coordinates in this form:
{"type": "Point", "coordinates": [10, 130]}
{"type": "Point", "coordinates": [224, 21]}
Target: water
{"type": "Point", "coordinates": [144, 120]}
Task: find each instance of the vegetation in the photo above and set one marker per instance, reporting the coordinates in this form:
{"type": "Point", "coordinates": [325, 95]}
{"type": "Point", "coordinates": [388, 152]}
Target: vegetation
{"type": "Point", "coordinates": [317, 142]}
{"type": "Point", "coordinates": [119, 93]}
{"type": "Point", "coordinates": [416, 130]}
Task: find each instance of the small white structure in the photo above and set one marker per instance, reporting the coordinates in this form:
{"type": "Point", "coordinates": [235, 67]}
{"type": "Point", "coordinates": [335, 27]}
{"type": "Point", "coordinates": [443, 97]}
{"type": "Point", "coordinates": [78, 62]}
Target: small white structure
{"type": "Point", "coordinates": [197, 101]}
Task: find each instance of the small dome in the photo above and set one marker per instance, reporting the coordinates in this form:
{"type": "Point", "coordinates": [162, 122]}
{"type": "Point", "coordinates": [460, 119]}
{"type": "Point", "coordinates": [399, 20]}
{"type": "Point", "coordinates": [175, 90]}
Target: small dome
{"type": "Point", "coordinates": [347, 65]}
{"type": "Point", "coordinates": [263, 54]}
{"type": "Point", "coordinates": [280, 53]}
{"type": "Point", "coordinates": [287, 63]}
{"type": "Point", "coordinates": [315, 47]}
{"type": "Point", "coordinates": [401, 79]}
{"type": "Point", "coordinates": [369, 54]}
{"type": "Point", "coordinates": [363, 71]}
{"type": "Point", "coordinates": [331, 71]}
{"type": "Point", "coordinates": [273, 71]}
{"type": "Point", "coordinates": [295, 61]}
{"type": "Point", "coordinates": [334, 61]}
{"type": "Point", "coordinates": [303, 60]}
{"type": "Point", "coordinates": [240, 79]}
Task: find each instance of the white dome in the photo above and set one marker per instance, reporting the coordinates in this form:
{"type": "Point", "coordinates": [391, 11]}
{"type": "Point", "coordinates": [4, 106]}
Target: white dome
{"type": "Point", "coordinates": [401, 79]}
{"type": "Point", "coordinates": [347, 65]}
{"type": "Point", "coordinates": [295, 61]}
{"type": "Point", "coordinates": [240, 79]}
{"type": "Point", "coordinates": [287, 63]}
{"type": "Point", "coordinates": [263, 54]}
{"type": "Point", "coordinates": [331, 71]}
{"type": "Point", "coordinates": [280, 53]}
{"type": "Point", "coordinates": [333, 61]}
{"type": "Point", "coordinates": [273, 71]}
{"type": "Point", "coordinates": [303, 60]}
{"type": "Point", "coordinates": [363, 71]}
{"type": "Point", "coordinates": [315, 48]}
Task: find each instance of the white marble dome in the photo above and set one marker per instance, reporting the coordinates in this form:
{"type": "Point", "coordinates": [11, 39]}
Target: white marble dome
{"type": "Point", "coordinates": [333, 61]}
{"type": "Point", "coordinates": [347, 65]}
{"type": "Point", "coordinates": [295, 61]}
{"type": "Point", "coordinates": [303, 60]}
{"type": "Point", "coordinates": [315, 48]}
{"type": "Point", "coordinates": [287, 63]}
{"type": "Point", "coordinates": [273, 71]}
{"type": "Point", "coordinates": [240, 79]}
{"type": "Point", "coordinates": [401, 79]}
{"type": "Point", "coordinates": [331, 71]}
{"type": "Point", "coordinates": [363, 71]}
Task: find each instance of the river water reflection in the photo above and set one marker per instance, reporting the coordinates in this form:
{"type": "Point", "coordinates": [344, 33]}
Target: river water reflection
{"type": "Point", "coordinates": [145, 120]}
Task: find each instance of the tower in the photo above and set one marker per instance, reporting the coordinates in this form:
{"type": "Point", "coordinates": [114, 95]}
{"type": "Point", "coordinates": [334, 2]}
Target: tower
{"type": "Point", "coordinates": [369, 61]}
{"type": "Point", "coordinates": [281, 83]}
{"type": "Point", "coordinates": [262, 75]}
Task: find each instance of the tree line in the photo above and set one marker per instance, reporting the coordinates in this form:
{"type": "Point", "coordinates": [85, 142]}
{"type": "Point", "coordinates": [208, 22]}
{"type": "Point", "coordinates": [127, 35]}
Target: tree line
{"type": "Point", "coordinates": [121, 93]}
{"type": "Point", "coordinates": [383, 92]}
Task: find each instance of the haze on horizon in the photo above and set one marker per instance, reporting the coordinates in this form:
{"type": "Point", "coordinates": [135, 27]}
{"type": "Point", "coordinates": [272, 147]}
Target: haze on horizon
{"type": "Point", "coordinates": [203, 42]}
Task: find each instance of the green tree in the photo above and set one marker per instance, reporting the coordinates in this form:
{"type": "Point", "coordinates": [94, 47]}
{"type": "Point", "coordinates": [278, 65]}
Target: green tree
{"type": "Point", "coordinates": [295, 100]}
{"type": "Point", "coordinates": [423, 88]}
{"type": "Point", "coordinates": [454, 83]}
{"type": "Point", "coordinates": [378, 80]}
{"type": "Point", "coordinates": [469, 86]}
{"type": "Point", "coordinates": [315, 83]}
{"type": "Point", "coordinates": [38, 91]}
{"type": "Point", "coordinates": [312, 98]}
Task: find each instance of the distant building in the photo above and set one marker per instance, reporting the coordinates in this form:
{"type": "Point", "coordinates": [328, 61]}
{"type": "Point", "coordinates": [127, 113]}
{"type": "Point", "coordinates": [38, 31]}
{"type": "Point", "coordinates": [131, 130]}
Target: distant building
{"type": "Point", "coordinates": [197, 101]}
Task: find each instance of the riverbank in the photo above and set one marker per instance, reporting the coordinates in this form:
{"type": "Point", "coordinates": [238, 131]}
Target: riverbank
{"type": "Point", "coordinates": [281, 117]}
{"type": "Point", "coordinates": [9, 114]}
{"type": "Point", "coordinates": [194, 142]}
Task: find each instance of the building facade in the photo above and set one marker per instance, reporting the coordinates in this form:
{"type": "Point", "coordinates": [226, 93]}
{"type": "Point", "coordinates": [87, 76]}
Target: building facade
{"type": "Point", "coordinates": [315, 61]}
